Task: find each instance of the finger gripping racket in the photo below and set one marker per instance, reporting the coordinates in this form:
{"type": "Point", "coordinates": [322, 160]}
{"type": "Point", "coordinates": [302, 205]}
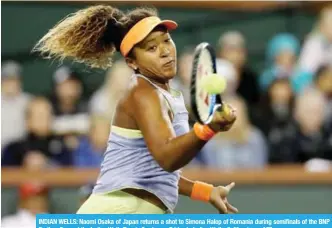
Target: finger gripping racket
{"type": "Point", "coordinates": [203, 104]}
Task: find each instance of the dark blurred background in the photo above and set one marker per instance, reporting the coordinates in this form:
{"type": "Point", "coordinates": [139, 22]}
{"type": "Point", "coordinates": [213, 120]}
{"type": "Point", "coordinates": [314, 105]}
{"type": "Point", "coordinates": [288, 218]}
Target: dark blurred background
{"type": "Point", "coordinates": [276, 56]}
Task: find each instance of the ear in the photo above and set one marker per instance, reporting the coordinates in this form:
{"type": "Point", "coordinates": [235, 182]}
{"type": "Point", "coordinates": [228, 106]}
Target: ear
{"type": "Point", "coordinates": [131, 63]}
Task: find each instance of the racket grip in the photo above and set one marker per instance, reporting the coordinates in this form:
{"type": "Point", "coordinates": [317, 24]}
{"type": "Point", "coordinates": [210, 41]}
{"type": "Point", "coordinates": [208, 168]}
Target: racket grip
{"type": "Point", "coordinates": [220, 103]}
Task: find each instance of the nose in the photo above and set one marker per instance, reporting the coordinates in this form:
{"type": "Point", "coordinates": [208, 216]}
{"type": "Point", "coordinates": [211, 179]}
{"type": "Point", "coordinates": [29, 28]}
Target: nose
{"type": "Point", "coordinates": [164, 52]}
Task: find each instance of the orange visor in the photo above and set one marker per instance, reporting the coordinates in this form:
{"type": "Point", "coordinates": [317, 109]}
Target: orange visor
{"type": "Point", "coordinates": [141, 30]}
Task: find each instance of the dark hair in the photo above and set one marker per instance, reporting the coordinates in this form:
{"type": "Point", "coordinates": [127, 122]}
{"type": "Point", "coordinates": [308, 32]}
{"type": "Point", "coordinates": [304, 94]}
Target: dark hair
{"type": "Point", "coordinates": [91, 35]}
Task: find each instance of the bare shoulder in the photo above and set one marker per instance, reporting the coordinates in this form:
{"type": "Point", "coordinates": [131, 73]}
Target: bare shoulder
{"type": "Point", "coordinates": [143, 94]}
{"type": "Point", "coordinates": [144, 101]}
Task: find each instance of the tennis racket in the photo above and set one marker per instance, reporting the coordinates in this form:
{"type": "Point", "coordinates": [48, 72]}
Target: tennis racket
{"type": "Point", "coordinates": [203, 104]}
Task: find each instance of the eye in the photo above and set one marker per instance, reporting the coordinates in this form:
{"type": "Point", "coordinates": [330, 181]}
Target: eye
{"type": "Point", "coordinates": [167, 40]}
{"type": "Point", "coordinates": [152, 48]}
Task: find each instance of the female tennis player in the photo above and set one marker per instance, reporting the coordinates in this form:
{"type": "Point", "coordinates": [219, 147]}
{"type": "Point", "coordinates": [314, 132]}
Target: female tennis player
{"type": "Point", "coordinates": [150, 140]}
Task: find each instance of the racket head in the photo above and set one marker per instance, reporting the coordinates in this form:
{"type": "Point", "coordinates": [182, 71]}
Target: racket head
{"type": "Point", "coordinates": [203, 104]}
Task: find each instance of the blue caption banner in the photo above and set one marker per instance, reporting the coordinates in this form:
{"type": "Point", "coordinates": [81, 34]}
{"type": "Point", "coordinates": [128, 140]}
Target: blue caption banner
{"type": "Point", "coordinates": [183, 221]}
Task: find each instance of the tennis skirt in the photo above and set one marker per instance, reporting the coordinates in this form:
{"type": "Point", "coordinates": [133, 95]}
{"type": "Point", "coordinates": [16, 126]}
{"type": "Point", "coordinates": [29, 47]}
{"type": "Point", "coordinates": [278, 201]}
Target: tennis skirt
{"type": "Point", "coordinates": [118, 202]}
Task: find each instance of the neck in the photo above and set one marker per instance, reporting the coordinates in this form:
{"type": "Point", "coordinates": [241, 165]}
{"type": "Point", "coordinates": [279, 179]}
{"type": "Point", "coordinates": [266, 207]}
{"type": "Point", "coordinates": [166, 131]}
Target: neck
{"type": "Point", "coordinates": [39, 135]}
{"type": "Point", "coordinates": [67, 106]}
{"type": "Point", "coordinates": [31, 210]}
{"type": "Point", "coordinates": [308, 131]}
{"type": "Point", "coordinates": [164, 84]}
{"type": "Point", "coordinates": [10, 95]}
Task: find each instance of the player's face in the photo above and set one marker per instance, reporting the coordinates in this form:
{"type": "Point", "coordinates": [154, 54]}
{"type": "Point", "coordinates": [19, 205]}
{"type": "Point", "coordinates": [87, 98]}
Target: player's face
{"type": "Point", "coordinates": [155, 56]}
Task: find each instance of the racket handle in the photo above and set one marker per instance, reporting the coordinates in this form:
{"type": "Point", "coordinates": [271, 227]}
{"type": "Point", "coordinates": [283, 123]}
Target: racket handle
{"type": "Point", "coordinates": [222, 108]}
{"type": "Point", "coordinates": [218, 99]}
{"type": "Point", "coordinates": [219, 103]}
{"type": "Point", "coordinates": [226, 111]}
{"type": "Point", "coordinates": [218, 107]}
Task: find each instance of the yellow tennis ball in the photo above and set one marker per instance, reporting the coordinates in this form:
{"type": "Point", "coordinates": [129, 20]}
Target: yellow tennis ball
{"type": "Point", "coordinates": [213, 84]}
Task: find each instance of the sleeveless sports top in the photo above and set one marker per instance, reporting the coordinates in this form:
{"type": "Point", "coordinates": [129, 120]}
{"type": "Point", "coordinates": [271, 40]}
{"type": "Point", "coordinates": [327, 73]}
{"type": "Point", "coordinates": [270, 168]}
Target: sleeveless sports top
{"type": "Point", "coordinates": [129, 164]}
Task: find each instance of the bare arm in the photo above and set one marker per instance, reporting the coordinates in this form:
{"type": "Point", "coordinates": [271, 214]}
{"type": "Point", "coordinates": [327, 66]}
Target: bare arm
{"type": "Point", "coordinates": [185, 186]}
{"type": "Point", "coordinates": [171, 152]}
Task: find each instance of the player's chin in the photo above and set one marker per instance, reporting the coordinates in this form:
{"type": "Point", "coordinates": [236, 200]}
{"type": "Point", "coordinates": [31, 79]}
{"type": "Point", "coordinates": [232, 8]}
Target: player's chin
{"type": "Point", "coordinates": [169, 73]}
{"type": "Point", "coordinates": [168, 76]}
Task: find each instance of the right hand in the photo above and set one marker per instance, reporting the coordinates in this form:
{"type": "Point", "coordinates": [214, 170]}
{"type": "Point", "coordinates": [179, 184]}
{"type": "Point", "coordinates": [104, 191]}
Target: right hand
{"type": "Point", "coordinates": [223, 119]}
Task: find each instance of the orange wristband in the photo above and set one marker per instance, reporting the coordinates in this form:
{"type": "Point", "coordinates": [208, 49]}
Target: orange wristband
{"type": "Point", "coordinates": [201, 191]}
{"type": "Point", "coordinates": [203, 131]}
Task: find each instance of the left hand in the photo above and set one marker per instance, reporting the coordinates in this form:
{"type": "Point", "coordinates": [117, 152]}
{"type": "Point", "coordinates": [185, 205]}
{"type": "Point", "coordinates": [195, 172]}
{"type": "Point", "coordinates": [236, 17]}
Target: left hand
{"type": "Point", "coordinates": [218, 199]}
